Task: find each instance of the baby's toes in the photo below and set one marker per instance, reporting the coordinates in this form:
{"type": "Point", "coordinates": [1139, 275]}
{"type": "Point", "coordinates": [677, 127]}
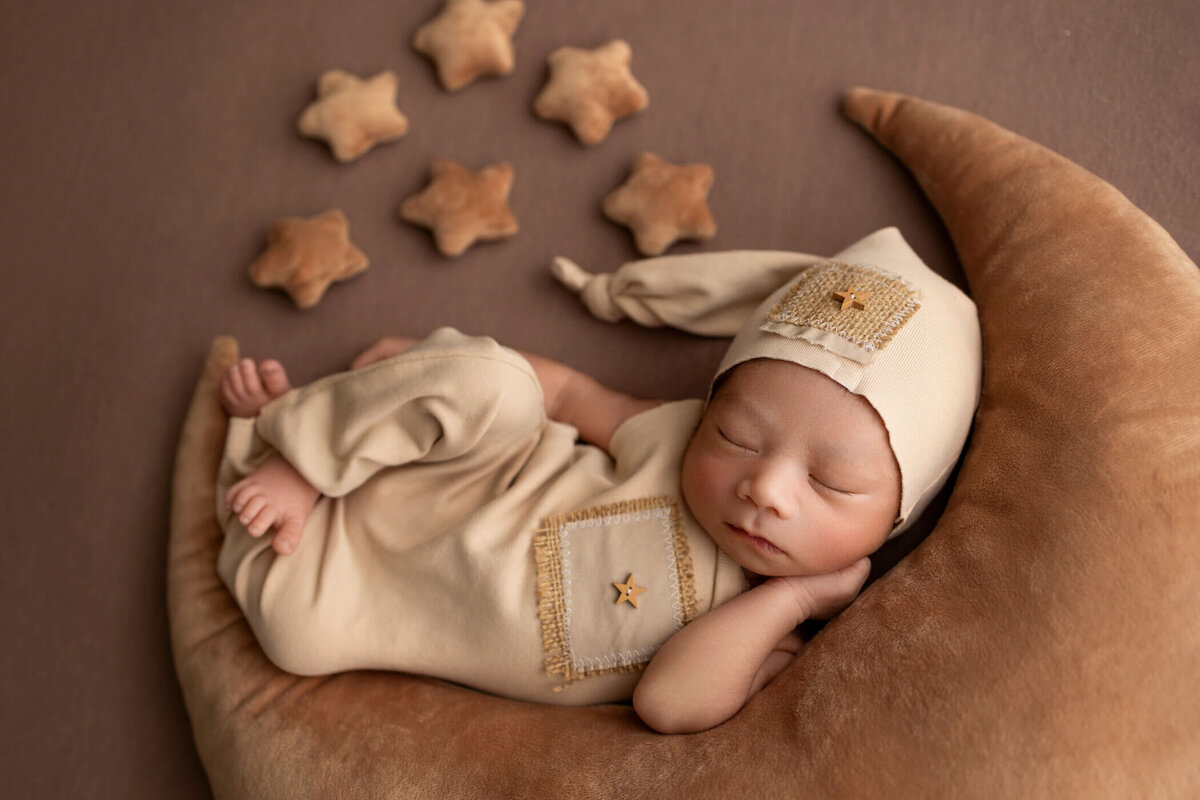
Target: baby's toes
{"type": "Point", "coordinates": [274, 377]}
{"type": "Point", "coordinates": [251, 509]}
{"type": "Point", "coordinates": [232, 392]}
{"type": "Point", "coordinates": [287, 538]}
{"type": "Point", "coordinates": [233, 378]}
{"type": "Point", "coordinates": [237, 495]}
{"type": "Point", "coordinates": [263, 521]}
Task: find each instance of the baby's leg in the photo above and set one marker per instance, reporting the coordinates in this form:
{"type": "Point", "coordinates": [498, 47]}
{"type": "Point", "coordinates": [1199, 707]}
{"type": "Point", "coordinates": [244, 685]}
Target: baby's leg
{"type": "Point", "coordinates": [246, 387]}
{"type": "Point", "coordinates": [274, 495]}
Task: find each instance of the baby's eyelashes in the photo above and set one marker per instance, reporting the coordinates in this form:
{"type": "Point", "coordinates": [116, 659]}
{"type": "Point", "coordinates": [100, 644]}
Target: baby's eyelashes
{"type": "Point", "coordinates": [733, 441]}
{"type": "Point", "coordinates": [832, 487]}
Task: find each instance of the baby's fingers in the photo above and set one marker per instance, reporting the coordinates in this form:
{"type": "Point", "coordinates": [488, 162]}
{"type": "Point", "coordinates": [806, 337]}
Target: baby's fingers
{"type": "Point", "coordinates": [841, 587]}
{"type": "Point", "coordinates": [822, 596]}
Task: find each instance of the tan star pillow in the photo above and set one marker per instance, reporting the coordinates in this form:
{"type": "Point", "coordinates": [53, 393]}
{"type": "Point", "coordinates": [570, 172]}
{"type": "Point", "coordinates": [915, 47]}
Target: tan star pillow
{"type": "Point", "coordinates": [304, 256]}
{"type": "Point", "coordinates": [469, 39]}
{"type": "Point", "coordinates": [462, 207]}
{"type": "Point", "coordinates": [590, 89]}
{"type": "Point", "coordinates": [662, 203]}
{"type": "Point", "coordinates": [353, 115]}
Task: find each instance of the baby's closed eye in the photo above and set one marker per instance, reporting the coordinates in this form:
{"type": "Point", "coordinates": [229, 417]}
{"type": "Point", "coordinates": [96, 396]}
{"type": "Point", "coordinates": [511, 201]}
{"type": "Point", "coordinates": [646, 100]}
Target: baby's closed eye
{"type": "Point", "coordinates": [736, 440]}
{"type": "Point", "coordinates": [833, 485]}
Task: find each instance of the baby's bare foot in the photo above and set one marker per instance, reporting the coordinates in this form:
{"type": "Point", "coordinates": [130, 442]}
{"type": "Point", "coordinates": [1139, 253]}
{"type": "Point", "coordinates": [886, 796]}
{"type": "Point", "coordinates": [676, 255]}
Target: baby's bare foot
{"type": "Point", "coordinates": [274, 495]}
{"type": "Point", "coordinates": [247, 387]}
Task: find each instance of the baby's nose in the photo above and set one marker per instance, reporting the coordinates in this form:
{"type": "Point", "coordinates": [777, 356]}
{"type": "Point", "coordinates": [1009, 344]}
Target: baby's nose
{"type": "Point", "coordinates": [770, 491]}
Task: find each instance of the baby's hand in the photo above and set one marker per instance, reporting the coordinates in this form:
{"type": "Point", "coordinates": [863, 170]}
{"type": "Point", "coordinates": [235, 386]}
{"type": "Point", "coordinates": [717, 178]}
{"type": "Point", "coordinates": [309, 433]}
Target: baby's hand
{"type": "Point", "coordinates": [822, 596]}
{"type": "Point", "coordinates": [386, 347]}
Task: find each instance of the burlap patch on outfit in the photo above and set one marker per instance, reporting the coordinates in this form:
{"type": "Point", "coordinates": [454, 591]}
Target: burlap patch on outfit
{"type": "Point", "coordinates": [580, 554]}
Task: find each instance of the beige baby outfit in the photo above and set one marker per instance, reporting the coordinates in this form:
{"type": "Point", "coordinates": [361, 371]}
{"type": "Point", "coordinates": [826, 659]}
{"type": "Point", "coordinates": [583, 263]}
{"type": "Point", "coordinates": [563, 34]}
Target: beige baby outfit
{"type": "Point", "coordinates": [450, 501]}
{"type": "Point", "coordinates": [462, 534]}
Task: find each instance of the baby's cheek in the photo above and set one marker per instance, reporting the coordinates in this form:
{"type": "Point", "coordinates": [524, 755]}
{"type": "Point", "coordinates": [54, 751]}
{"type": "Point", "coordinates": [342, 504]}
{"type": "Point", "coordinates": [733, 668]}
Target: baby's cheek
{"type": "Point", "coordinates": [858, 538]}
{"type": "Point", "coordinates": [696, 480]}
{"type": "Point", "coordinates": [687, 476]}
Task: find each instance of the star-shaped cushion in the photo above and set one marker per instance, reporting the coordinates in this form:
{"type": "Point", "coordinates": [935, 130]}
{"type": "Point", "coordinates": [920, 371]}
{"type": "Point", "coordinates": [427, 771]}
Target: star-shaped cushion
{"type": "Point", "coordinates": [304, 256]}
{"type": "Point", "coordinates": [470, 39]}
{"type": "Point", "coordinates": [462, 207]}
{"type": "Point", "coordinates": [353, 114]}
{"type": "Point", "coordinates": [662, 202]}
{"type": "Point", "coordinates": [590, 89]}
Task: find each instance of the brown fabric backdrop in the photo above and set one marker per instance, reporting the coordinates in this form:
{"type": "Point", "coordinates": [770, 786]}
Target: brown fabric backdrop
{"type": "Point", "coordinates": [147, 146]}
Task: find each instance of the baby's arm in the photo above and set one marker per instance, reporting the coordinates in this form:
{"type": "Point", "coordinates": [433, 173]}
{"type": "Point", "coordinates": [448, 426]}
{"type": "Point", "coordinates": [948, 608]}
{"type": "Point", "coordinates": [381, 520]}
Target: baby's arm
{"type": "Point", "coordinates": [595, 410]}
{"type": "Point", "coordinates": [571, 396]}
{"type": "Point", "coordinates": [707, 671]}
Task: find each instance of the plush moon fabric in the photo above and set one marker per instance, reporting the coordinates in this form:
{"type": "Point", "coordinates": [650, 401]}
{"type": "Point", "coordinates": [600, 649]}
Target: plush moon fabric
{"type": "Point", "coordinates": [1041, 641]}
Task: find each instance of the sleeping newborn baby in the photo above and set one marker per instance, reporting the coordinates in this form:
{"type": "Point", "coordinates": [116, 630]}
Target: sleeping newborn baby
{"type": "Point", "coordinates": [454, 508]}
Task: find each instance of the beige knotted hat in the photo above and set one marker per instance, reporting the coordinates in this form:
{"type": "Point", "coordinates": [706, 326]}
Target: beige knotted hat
{"type": "Point", "coordinates": [874, 318]}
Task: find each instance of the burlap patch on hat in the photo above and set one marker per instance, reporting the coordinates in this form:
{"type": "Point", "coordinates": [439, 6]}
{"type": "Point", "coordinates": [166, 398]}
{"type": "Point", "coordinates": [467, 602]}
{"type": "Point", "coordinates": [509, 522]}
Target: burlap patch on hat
{"type": "Point", "coordinates": [861, 304]}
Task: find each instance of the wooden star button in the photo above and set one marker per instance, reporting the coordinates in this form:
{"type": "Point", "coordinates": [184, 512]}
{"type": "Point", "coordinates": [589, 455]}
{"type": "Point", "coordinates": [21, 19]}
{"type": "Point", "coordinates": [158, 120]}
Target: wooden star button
{"type": "Point", "coordinates": [462, 207]}
{"type": "Point", "coordinates": [353, 115]}
{"type": "Point", "coordinates": [852, 299]}
{"type": "Point", "coordinates": [304, 256]}
{"type": "Point", "coordinates": [662, 203]}
{"type": "Point", "coordinates": [590, 89]}
{"type": "Point", "coordinates": [470, 39]}
{"type": "Point", "coordinates": [628, 591]}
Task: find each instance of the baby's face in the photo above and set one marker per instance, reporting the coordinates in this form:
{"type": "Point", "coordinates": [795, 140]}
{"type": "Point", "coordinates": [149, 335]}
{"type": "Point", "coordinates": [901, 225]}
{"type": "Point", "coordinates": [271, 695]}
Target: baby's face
{"type": "Point", "coordinates": [790, 473]}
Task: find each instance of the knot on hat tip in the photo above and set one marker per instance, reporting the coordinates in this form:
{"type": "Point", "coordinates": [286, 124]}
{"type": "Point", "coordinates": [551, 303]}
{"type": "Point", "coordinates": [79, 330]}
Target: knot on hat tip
{"type": "Point", "coordinates": [592, 289]}
{"type": "Point", "coordinates": [570, 274]}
